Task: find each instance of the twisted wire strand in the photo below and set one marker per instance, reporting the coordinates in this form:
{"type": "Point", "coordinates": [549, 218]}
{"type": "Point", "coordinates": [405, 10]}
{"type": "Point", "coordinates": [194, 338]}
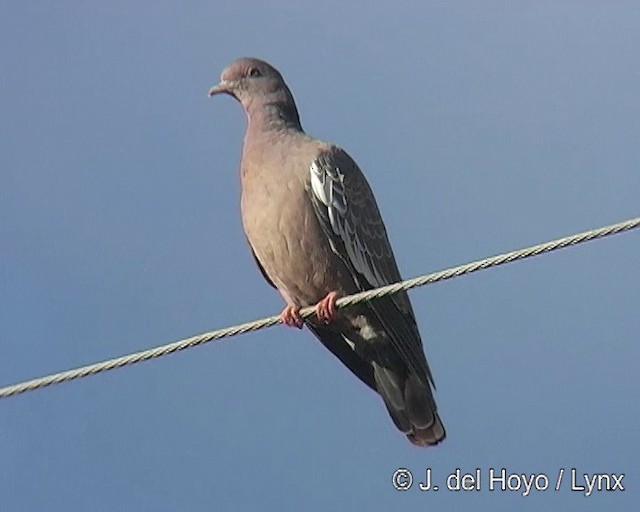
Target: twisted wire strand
{"type": "Point", "coordinates": [200, 339]}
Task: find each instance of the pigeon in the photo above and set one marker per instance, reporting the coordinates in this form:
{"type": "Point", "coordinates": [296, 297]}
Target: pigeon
{"type": "Point", "coordinates": [316, 234]}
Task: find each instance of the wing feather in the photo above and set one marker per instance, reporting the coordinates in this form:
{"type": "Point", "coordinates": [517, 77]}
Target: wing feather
{"type": "Point", "coordinates": [349, 215]}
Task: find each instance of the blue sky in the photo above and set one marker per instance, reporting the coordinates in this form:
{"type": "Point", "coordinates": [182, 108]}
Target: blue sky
{"type": "Point", "coordinates": [482, 127]}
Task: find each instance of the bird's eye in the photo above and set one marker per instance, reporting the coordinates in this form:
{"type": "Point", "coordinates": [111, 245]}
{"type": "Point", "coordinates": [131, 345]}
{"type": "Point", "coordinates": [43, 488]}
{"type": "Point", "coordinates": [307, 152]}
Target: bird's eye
{"type": "Point", "coordinates": [254, 72]}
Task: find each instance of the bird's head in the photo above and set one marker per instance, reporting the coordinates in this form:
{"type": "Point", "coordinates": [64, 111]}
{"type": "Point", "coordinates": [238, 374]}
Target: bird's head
{"type": "Point", "coordinates": [256, 84]}
{"type": "Point", "coordinates": [246, 78]}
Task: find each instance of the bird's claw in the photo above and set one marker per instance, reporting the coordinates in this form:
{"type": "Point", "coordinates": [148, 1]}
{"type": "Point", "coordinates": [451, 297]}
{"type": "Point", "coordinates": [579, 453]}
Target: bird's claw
{"type": "Point", "coordinates": [326, 308]}
{"type": "Point", "coordinates": [290, 316]}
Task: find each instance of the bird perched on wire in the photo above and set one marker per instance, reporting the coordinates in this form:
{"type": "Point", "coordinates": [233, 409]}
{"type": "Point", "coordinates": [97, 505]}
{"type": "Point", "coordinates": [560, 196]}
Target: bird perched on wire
{"type": "Point", "coordinates": [316, 234]}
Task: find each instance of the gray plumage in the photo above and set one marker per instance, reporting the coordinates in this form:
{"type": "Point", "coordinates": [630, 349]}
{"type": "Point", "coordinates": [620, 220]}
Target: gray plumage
{"type": "Point", "coordinates": [314, 228]}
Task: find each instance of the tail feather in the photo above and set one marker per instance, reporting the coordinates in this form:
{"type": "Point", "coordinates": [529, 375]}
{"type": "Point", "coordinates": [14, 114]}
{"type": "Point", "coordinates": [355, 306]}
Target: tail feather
{"type": "Point", "coordinates": [411, 406]}
{"type": "Point", "coordinates": [408, 399]}
{"type": "Point", "coordinates": [429, 436]}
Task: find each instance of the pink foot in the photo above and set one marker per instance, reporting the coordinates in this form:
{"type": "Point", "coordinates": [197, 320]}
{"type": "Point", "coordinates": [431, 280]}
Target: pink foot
{"type": "Point", "coordinates": [326, 308]}
{"type": "Point", "coordinates": [291, 316]}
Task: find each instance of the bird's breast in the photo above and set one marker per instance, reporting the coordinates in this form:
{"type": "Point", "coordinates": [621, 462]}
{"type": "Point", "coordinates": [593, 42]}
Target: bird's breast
{"type": "Point", "coordinates": [285, 235]}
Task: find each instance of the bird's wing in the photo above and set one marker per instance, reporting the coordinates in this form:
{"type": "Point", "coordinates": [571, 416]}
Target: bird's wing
{"type": "Point", "coordinates": [346, 208]}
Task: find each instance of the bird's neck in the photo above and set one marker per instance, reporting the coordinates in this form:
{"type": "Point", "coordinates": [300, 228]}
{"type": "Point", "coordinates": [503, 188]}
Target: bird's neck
{"type": "Point", "coordinates": [274, 112]}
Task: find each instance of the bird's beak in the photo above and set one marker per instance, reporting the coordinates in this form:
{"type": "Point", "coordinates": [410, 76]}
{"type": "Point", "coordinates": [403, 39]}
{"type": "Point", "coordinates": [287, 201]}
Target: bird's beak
{"type": "Point", "coordinates": [224, 86]}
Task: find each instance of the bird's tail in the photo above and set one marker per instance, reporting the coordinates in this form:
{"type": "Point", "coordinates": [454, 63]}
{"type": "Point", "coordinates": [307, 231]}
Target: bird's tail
{"type": "Point", "coordinates": [411, 406]}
